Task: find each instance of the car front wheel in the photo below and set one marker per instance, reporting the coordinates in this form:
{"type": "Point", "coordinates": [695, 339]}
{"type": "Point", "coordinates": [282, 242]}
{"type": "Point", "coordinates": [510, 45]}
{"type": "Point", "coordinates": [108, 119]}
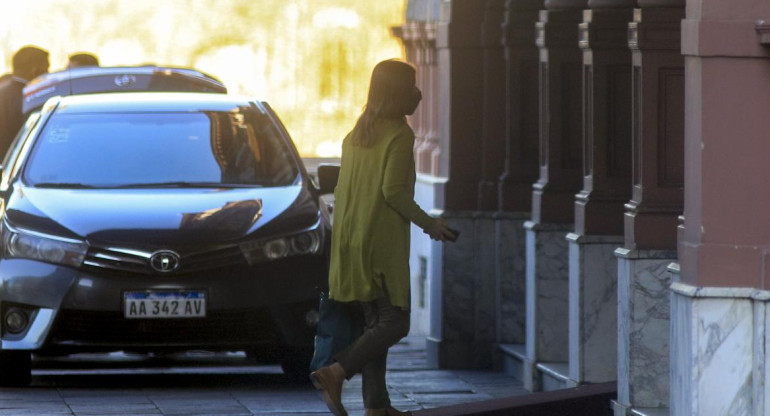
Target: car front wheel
{"type": "Point", "coordinates": [15, 368]}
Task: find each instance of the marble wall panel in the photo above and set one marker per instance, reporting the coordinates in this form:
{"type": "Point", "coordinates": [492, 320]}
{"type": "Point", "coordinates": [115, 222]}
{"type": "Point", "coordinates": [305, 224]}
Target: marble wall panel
{"type": "Point", "coordinates": [469, 295]}
{"type": "Point", "coordinates": [712, 353]}
{"type": "Point", "coordinates": [593, 308]}
{"type": "Point", "coordinates": [760, 386]}
{"type": "Point", "coordinates": [511, 279]}
{"type": "Point", "coordinates": [484, 291]}
{"type": "Point", "coordinates": [547, 292]}
{"type": "Point", "coordinates": [458, 271]}
{"type": "Point", "coordinates": [643, 328]}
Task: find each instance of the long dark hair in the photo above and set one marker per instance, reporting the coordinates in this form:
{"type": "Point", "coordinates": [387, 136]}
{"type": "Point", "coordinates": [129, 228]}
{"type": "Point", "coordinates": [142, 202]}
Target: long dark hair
{"type": "Point", "coordinates": [390, 90]}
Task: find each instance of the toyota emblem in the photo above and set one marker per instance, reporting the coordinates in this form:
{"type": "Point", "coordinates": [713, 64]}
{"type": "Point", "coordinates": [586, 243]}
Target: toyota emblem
{"type": "Point", "coordinates": [164, 261]}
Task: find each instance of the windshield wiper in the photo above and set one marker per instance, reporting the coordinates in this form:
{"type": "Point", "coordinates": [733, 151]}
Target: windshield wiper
{"type": "Point", "coordinates": [67, 185]}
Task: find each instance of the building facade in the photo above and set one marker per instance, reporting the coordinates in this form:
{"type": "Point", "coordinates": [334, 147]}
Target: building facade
{"type": "Point", "coordinates": [603, 160]}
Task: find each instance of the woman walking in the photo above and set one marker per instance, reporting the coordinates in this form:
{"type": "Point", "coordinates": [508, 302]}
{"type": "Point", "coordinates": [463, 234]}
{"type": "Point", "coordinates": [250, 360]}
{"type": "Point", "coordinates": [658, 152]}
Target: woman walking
{"type": "Point", "coordinates": [373, 208]}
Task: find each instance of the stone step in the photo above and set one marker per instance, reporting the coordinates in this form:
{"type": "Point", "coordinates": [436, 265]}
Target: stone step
{"type": "Point", "coordinates": [513, 357]}
{"type": "Point", "coordinates": [649, 411]}
{"type": "Point", "coordinates": [590, 399]}
{"type": "Point", "coordinates": [553, 376]}
{"type": "Point", "coordinates": [621, 410]}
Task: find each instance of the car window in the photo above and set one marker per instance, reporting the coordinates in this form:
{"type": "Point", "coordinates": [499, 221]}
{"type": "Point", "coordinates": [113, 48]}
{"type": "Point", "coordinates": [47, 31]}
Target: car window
{"type": "Point", "coordinates": [239, 148]}
{"type": "Point", "coordinates": [10, 161]}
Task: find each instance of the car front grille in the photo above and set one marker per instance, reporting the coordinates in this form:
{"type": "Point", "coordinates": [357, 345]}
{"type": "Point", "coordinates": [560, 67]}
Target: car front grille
{"type": "Point", "coordinates": [233, 327]}
{"type": "Point", "coordinates": [133, 261]}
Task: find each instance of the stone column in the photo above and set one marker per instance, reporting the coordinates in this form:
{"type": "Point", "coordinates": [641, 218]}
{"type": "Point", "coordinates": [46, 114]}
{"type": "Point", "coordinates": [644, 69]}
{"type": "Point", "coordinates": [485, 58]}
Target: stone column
{"type": "Point", "coordinates": [493, 105]}
{"type": "Point", "coordinates": [464, 309]}
{"type": "Point", "coordinates": [606, 188]}
{"type": "Point", "coordinates": [416, 52]}
{"type": "Point", "coordinates": [489, 254]}
{"type": "Point", "coordinates": [521, 167]}
{"type": "Point", "coordinates": [650, 219]}
{"type": "Point", "coordinates": [419, 45]}
{"type": "Point", "coordinates": [553, 195]}
{"type": "Point", "coordinates": [426, 154]}
{"type": "Point", "coordinates": [719, 305]}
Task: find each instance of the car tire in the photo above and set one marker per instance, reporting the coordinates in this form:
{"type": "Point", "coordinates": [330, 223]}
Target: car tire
{"type": "Point", "coordinates": [296, 365]}
{"type": "Point", "coordinates": [15, 368]}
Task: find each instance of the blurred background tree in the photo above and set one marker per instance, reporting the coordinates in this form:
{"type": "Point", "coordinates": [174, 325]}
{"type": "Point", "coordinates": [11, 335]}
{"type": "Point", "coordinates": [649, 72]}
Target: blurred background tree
{"type": "Point", "coordinates": [311, 59]}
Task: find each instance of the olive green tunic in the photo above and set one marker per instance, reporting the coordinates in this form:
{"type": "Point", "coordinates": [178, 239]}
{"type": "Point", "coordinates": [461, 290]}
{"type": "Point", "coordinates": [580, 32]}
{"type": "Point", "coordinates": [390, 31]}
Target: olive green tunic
{"type": "Point", "coordinates": [373, 207]}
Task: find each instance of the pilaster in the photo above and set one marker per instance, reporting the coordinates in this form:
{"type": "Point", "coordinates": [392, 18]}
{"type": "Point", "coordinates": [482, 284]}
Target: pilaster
{"type": "Point", "coordinates": [427, 151]}
{"type": "Point", "coordinates": [650, 219]}
{"type": "Point", "coordinates": [560, 113]}
{"type": "Point", "coordinates": [461, 94]}
{"type": "Point", "coordinates": [419, 39]}
{"type": "Point", "coordinates": [606, 119]}
{"type": "Point", "coordinates": [726, 68]}
{"type": "Point", "coordinates": [521, 106]}
{"type": "Point", "coordinates": [493, 121]}
{"type": "Point", "coordinates": [658, 128]}
{"type": "Point", "coordinates": [547, 291]}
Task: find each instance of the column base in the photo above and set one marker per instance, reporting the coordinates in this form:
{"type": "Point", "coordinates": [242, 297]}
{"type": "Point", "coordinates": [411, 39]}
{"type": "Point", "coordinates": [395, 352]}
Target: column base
{"type": "Point", "coordinates": [718, 358]}
{"type": "Point", "coordinates": [643, 327]}
{"type": "Point", "coordinates": [464, 295]}
{"type": "Point", "coordinates": [547, 295]}
{"type": "Point", "coordinates": [511, 265]}
{"type": "Point", "coordinates": [593, 328]}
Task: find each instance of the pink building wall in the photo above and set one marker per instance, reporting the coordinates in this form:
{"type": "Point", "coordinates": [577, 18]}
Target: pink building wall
{"type": "Point", "coordinates": [727, 204]}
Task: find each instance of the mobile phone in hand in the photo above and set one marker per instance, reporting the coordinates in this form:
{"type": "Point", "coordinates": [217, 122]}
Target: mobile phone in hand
{"type": "Point", "coordinates": [455, 233]}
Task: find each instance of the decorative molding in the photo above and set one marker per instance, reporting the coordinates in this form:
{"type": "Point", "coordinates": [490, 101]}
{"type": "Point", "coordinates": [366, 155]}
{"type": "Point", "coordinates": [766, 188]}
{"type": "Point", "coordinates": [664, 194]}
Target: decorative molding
{"type": "Point", "coordinates": [719, 292]}
{"type": "Point", "coordinates": [588, 120]}
{"type": "Point", "coordinates": [636, 126]}
{"type": "Point", "coordinates": [763, 29]}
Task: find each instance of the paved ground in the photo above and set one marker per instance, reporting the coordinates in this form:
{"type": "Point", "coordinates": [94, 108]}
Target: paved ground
{"type": "Point", "coordinates": [206, 384]}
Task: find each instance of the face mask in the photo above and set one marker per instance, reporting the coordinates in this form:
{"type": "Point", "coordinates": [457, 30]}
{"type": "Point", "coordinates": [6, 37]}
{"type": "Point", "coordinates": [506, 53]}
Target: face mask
{"type": "Point", "coordinates": [414, 101]}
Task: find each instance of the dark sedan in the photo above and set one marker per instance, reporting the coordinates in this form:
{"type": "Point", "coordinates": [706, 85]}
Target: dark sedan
{"type": "Point", "coordinates": [158, 222]}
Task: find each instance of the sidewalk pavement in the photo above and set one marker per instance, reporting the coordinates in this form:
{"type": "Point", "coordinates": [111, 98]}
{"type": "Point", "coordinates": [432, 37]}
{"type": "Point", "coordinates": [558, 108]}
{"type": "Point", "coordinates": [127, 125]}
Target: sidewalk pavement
{"type": "Point", "coordinates": [415, 386]}
{"type": "Point", "coordinates": [203, 384]}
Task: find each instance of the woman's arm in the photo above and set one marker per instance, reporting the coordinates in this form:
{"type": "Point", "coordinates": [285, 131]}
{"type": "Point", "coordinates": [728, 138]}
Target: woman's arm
{"type": "Point", "coordinates": [396, 186]}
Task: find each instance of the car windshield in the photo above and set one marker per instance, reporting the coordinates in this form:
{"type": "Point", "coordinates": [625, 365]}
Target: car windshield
{"type": "Point", "coordinates": [199, 149]}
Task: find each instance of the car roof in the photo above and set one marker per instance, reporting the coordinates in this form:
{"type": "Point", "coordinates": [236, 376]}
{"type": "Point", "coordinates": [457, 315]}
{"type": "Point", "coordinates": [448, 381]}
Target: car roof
{"type": "Point", "coordinates": [152, 101]}
{"type": "Point", "coordinates": [89, 80]}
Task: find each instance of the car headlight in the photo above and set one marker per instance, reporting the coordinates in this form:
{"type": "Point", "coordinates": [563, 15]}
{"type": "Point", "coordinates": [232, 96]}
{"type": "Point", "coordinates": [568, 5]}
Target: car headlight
{"type": "Point", "coordinates": [306, 242]}
{"type": "Point", "coordinates": [37, 246]}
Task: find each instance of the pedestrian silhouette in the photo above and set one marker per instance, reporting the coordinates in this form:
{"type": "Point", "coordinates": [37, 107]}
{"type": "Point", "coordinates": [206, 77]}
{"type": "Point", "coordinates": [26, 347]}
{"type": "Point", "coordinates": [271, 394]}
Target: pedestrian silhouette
{"type": "Point", "coordinates": [374, 208]}
{"type": "Point", "coordinates": [81, 59]}
{"type": "Point", "coordinates": [28, 63]}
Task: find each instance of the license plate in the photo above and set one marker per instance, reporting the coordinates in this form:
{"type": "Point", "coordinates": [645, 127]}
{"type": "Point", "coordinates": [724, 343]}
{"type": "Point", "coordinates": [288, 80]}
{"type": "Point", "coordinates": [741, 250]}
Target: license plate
{"type": "Point", "coordinates": [164, 304]}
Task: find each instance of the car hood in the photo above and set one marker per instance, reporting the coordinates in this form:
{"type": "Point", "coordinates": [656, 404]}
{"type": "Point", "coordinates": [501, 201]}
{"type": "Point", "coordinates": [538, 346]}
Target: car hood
{"type": "Point", "coordinates": [159, 217]}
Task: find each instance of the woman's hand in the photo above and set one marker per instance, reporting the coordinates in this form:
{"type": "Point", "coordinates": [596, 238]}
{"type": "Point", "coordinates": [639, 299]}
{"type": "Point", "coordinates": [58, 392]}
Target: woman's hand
{"type": "Point", "coordinates": [440, 231]}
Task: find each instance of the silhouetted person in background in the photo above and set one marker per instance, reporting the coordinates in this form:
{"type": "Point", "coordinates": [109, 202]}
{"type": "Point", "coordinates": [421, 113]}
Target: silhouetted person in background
{"type": "Point", "coordinates": [77, 60]}
{"type": "Point", "coordinates": [28, 62]}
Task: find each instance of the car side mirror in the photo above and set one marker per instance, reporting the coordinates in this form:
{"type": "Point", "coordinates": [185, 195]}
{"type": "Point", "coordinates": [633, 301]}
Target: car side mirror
{"type": "Point", "coordinates": [328, 174]}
